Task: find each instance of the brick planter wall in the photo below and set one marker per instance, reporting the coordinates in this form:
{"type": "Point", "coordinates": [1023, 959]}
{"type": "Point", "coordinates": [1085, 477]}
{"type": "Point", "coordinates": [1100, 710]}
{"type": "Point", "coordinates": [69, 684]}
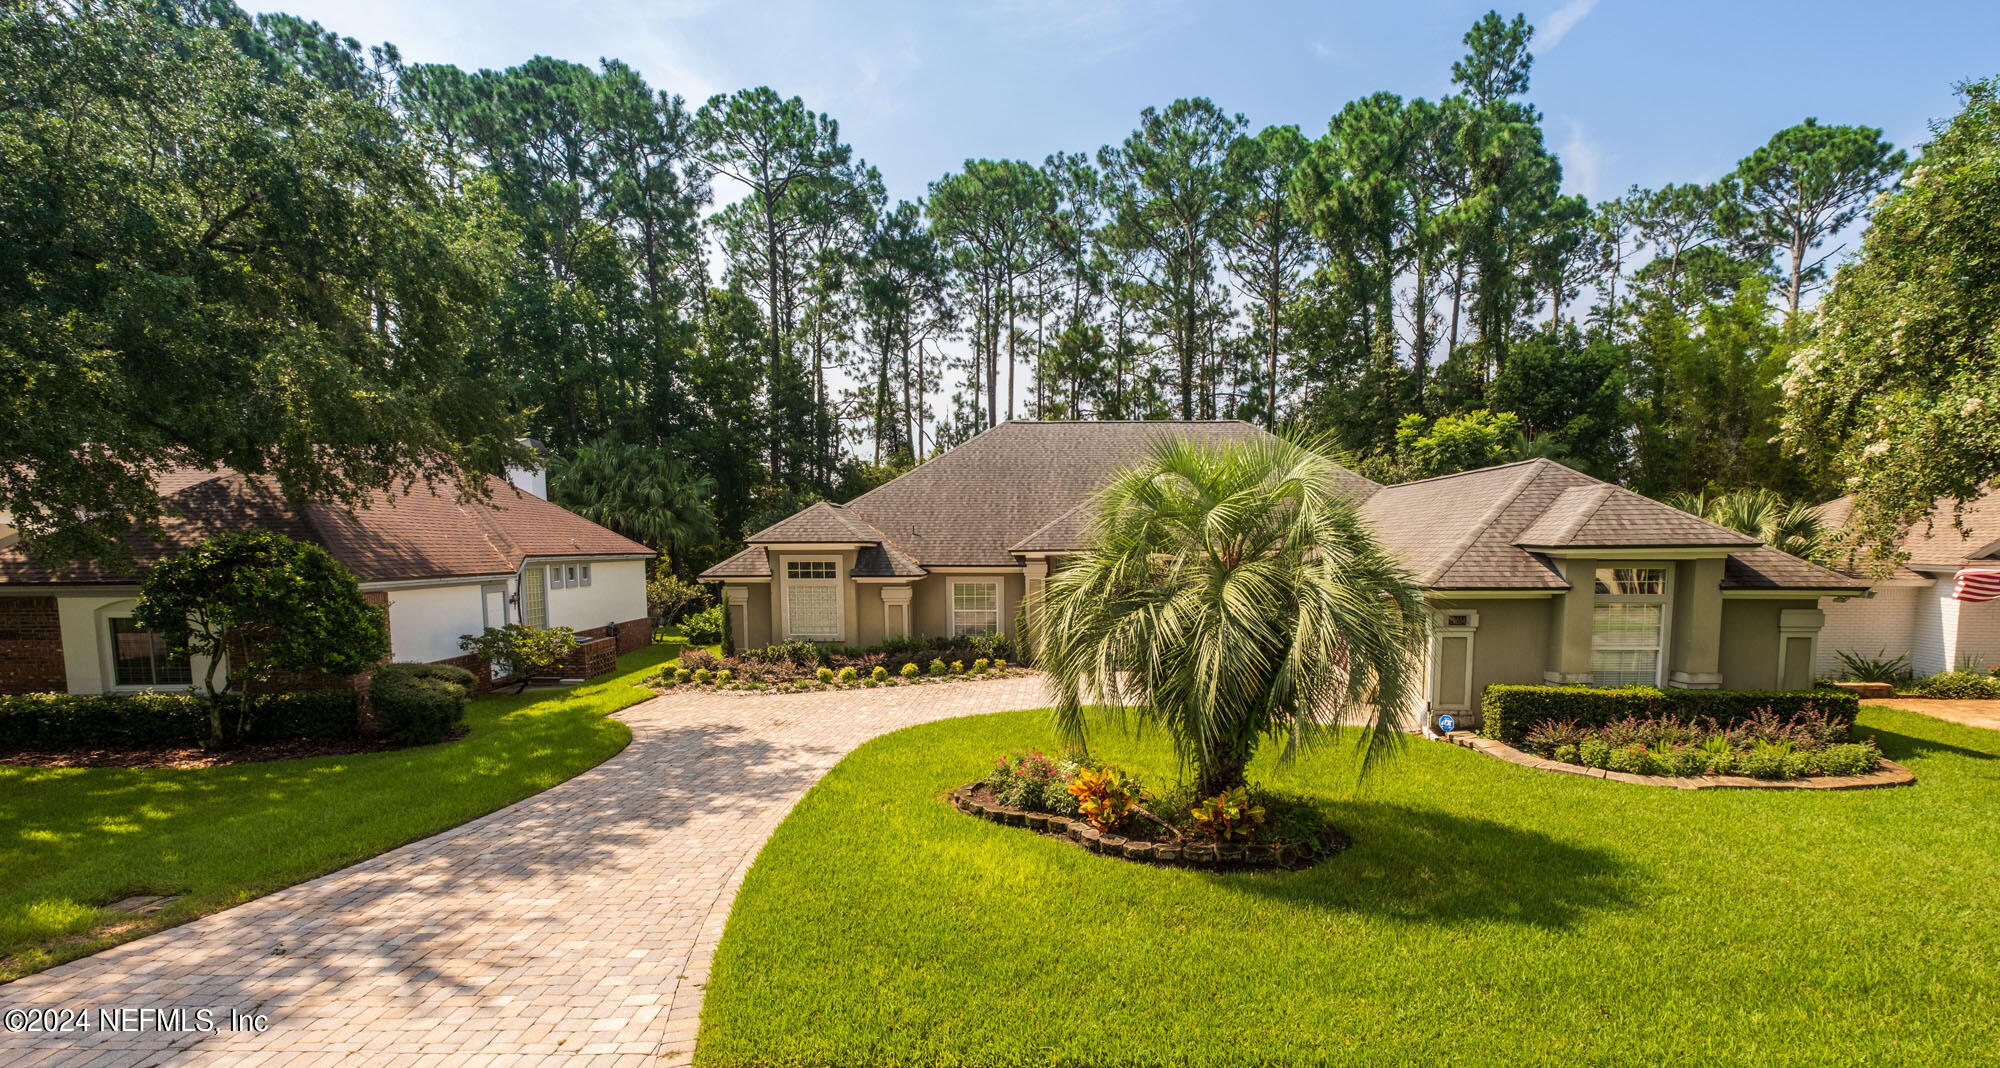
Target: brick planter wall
{"type": "Point", "coordinates": [31, 653]}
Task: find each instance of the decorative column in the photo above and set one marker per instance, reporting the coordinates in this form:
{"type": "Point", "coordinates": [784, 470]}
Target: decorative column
{"type": "Point", "coordinates": [896, 611]}
{"type": "Point", "coordinates": [1569, 629]}
{"type": "Point", "coordinates": [1038, 578]}
{"type": "Point", "coordinates": [739, 615]}
{"type": "Point", "coordinates": [1694, 652]}
{"type": "Point", "coordinates": [1798, 646]}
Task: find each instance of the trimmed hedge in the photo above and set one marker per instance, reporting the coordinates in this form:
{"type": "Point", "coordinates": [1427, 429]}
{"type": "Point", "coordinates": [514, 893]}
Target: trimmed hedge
{"type": "Point", "coordinates": [148, 720]}
{"type": "Point", "coordinates": [1507, 712]}
{"type": "Point", "coordinates": [417, 704]}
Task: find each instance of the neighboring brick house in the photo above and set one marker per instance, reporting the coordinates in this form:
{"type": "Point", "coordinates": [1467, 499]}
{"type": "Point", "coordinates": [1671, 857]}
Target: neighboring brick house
{"type": "Point", "coordinates": [1535, 572]}
{"type": "Point", "coordinates": [1913, 610]}
{"type": "Point", "coordinates": [439, 566]}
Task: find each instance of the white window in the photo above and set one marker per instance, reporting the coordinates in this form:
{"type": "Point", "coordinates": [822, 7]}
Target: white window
{"type": "Point", "coordinates": [975, 608]}
{"type": "Point", "coordinates": [585, 572]}
{"type": "Point", "coordinates": [1628, 626]}
{"type": "Point", "coordinates": [139, 658]}
{"type": "Point", "coordinates": [555, 578]}
{"type": "Point", "coordinates": [812, 600]}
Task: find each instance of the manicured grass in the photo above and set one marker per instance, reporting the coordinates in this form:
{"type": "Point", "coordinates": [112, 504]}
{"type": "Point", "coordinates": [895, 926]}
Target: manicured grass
{"type": "Point", "coordinates": [72, 839]}
{"type": "Point", "coordinates": [1487, 914]}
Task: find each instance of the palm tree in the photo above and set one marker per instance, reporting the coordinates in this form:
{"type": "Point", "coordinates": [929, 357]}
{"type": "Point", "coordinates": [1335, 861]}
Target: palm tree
{"type": "Point", "coordinates": [1229, 594]}
{"type": "Point", "coordinates": [1764, 515]}
{"type": "Point", "coordinates": [637, 491]}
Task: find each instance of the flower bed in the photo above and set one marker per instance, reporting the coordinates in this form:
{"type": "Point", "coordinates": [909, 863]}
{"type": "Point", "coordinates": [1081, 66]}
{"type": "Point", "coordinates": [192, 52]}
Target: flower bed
{"type": "Point", "coordinates": [1105, 810]}
{"type": "Point", "coordinates": [795, 666]}
{"type": "Point", "coordinates": [1765, 745]}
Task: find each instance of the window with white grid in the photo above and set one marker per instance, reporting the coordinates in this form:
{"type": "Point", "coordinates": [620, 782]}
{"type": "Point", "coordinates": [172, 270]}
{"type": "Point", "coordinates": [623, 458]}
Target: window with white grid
{"type": "Point", "coordinates": [812, 600]}
{"type": "Point", "coordinates": [1628, 626]}
{"type": "Point", "coordinates": [975, 608]}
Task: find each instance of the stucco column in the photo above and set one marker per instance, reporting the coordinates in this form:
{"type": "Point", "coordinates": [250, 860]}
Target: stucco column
{"type": "Point", "coordinates": [896, 611]}
{"type": "Point", "coordinates": [1569, 631]}
{"type": "Point", "coordinates": [1694, 653]}
{"type": "Point", "coordinates": [1038, 578]}
{"type": "Point", "coordinates": [739, 615]}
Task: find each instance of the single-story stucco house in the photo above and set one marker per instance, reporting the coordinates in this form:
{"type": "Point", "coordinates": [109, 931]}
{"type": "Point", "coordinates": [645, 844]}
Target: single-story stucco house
{"type": "Point", "coordinates": [1537, 573]}
{"type": "Point", "coordinates": [439, 566]}
{"type": "Point", "coordinates": [1916, 610]}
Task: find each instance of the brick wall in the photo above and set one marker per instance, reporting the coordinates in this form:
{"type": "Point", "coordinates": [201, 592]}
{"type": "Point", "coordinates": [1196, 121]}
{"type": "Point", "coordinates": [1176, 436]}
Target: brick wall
{"type": "Point", "coordinates": [1871, 626]}
{"type": "Point", "coordinates": [31, 652]}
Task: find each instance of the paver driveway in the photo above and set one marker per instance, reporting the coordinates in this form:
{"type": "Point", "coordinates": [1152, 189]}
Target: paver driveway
{"type": "Point", "coordinates": [576, 926]}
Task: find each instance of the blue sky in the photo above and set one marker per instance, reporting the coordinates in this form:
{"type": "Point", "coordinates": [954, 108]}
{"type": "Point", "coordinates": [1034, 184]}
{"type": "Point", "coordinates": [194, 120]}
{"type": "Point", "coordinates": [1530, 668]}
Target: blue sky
{"type": "Point", "coordinates": [1645, 92]}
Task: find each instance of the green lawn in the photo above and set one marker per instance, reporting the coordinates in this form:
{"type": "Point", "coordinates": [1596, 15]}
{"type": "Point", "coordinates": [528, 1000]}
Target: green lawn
{"type": "Point", "coordinates": [72, 839]}
{"type": "Point", "coordinates": [1487, 914]}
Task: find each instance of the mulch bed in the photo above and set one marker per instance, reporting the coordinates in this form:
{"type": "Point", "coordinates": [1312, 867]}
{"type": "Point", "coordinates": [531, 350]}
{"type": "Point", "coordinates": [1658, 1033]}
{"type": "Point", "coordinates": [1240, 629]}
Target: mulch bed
{"type": "Point", "coordinates": [197, 757]}
{"type": "Point", "coordinates": [1149, 843]}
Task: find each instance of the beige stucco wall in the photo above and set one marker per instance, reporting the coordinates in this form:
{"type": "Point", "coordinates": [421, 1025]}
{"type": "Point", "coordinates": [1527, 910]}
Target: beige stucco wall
{"type": "Point", "coordinates": [1750, 641]}
{"type": "Point", "coordinates": [868, 614]}
{"type": "Point", "coordinates": [755, 613]}
{"type": "Point", "coordinates": [930, 604]}
{"type": "Point", "coordinates": [1511, 643]}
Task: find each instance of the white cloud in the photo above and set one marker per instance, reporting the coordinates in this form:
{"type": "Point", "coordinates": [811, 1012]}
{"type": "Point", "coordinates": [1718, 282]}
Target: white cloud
{"type": "Point", "coordinates": [1322, 50]}
{"type": "Point", "coordinates": [1562, 21]}
{"type": "Point", "coordinates": [1582, 161]}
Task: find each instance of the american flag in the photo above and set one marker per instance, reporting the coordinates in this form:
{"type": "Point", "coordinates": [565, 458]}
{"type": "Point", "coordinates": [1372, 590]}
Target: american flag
{"type": "Point", "coordinates": [1978, 584]}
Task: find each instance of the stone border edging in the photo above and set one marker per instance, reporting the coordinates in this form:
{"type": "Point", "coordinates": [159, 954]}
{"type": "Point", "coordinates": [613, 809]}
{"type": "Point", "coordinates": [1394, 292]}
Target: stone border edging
{"type": "Point", "coordinates": [1198, 855]}
{"type": "Point", "coordinates": [1889, 774]}
{"type": "Point", "coordinates": [853, 687]}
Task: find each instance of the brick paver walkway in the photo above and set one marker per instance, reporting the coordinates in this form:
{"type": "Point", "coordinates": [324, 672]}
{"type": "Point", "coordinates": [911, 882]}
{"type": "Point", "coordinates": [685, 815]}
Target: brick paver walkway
{"type": "Point", "coordinates": [574, 927]}
{"type": "Point", "coordinates": [1971, 713]}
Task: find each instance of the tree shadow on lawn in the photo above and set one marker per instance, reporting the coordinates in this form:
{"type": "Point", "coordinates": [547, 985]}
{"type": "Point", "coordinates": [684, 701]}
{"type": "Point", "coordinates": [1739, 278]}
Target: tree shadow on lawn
{"type": "Point", "coordinates": [1426, 866]}
{"type": "Point", "coordinates": [1902, 747]}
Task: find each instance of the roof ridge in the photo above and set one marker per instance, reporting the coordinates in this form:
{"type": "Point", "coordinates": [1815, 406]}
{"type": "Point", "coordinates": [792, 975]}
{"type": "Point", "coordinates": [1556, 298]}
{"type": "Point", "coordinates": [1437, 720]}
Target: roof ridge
{"type": "Point", "coordinates": [1477, 471]}
{"type": "Point", "coordinates": [1603, 491]}
{"type": "Point", "coordinates": [1464, 544]}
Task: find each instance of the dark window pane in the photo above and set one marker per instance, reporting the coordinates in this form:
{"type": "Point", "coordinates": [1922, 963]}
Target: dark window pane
{"type": "Point", "coordinates": [131, 654]}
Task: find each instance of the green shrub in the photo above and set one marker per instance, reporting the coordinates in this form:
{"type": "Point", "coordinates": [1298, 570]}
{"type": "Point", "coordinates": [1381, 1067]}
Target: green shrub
{"type": "Point", "coordinates": [1958, 686]}
{"type": "Point", "coordinates": [1878, 668]}
{"type": "Point", "coordinates": [937, 667]}
{"type": "Point", "coordinates": [724, 677]}
{"type": "Point", "coordinates": [701, 676]}
{"type": "Point", "coordinates": [1565, 754]}
{"type": "Point", "coordinates": [418, 704]}
{"type": "Point", "coordinates": [958, 667]}
{"type": "Point", "coordinates": [1765, 761]}
{"type": "Point", "coordinates": [999, 664]}
{"type": "Point", "coordinates": [1849, 758]}
{"type": "Point", "coordinates": [682, 674]}
{"type": "Point", "coordinates": [1629, 759]}
{"type": "Point", "coordinates": [871, 682]}
{"type": "Point", "coordinates": [704, 627]}
{"type": "Point", "coordinates": [825, 674]}
{"type": "Point", "coordinates": [57, 721]}
{"type": "Point", "coordinates": [1593, 753]}
{"type": "Point", "coordinates": [980, 665]}
{"type": "Point", "coordinates": [1509, 712]}
{"type": "Point", "coordinates": [848, 675]}
{"type": "Point", "coordinates": [910, 670]}
{"type": "Point", "coordinates": [880, 674]}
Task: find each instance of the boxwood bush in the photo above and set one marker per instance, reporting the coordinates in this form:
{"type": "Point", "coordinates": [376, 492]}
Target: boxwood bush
{"type": "Point", "coordinates": [417, 704]}
{"type": "Point", "coordinates": [56, 721]}
{"type": "Point", "coordinates": [1508, 712]}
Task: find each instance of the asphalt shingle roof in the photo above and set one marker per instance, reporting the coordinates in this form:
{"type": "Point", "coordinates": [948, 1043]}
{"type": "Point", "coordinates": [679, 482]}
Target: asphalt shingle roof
{"type": "Point", "coordinates": [1025, 487]}
{"type": "Point", "coordinates": [425, 533]}
{"type": "Point", "coordinates": [1940, 542]}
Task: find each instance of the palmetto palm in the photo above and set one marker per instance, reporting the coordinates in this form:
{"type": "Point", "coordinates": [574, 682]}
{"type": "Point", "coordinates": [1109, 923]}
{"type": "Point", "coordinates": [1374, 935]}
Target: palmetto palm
{"type": "Point", "coordinates": [1230, 594]}
{"type": "Point", "coordinates": [1764, 515]}
{"type": "Point", "coordinates": [637, 491]}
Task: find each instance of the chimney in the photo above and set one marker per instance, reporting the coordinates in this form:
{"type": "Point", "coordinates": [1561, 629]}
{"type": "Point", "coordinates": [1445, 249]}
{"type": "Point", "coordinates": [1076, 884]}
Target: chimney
{"type": "Point", "coordinates": [534, 479]}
